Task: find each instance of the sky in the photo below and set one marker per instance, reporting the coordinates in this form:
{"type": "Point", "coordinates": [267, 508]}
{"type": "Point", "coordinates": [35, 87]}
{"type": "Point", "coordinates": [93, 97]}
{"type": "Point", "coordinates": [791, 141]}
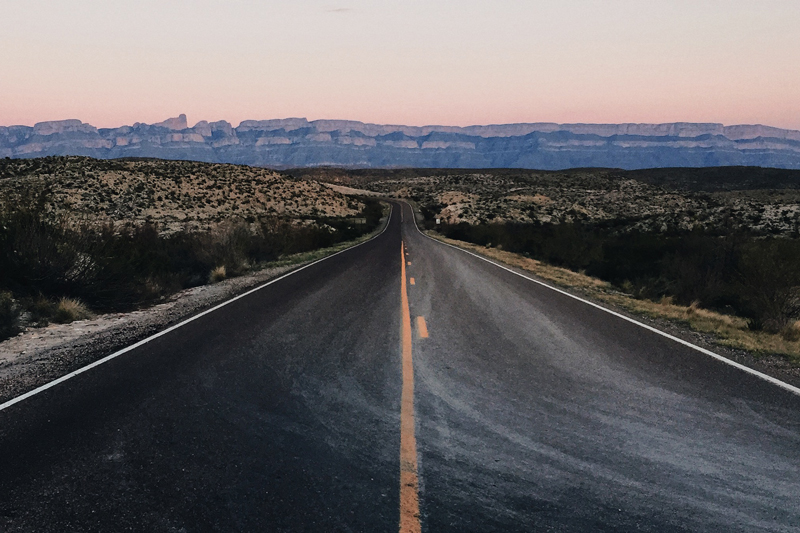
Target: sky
{"type": "Point", "coordinates": [415, 62]}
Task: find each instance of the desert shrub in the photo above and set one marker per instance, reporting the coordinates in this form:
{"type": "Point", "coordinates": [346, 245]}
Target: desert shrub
{"type": "Point", "coordinates": [768, 283]}
{"type": "Point", "coordinates": [40, 309]}
{"type": "Point", "coordinates": [9, 316]}
{"type": "Point", "coordinates": [230, 244]}
{"type": "Point", "coordinates": [112, 268]}
{"type": "Point", "coordinates": [37, 254]}
{"type": "Point", "coordinates": [792, 332]}
{"type": "Point", "coordinates": [69, 310]}
{"type": "Point", "coordinates": [218, 274]}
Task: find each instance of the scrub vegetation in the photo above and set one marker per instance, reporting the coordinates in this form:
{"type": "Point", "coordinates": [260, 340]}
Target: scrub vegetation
{"type": "Point", "coordinates": [60, 261]}
{"type": "Point", "coordinates": [757, 200]}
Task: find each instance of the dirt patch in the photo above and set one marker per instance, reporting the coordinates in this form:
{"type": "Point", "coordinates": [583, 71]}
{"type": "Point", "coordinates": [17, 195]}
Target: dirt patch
{"type": "Point", "coordinates": [350, 191]}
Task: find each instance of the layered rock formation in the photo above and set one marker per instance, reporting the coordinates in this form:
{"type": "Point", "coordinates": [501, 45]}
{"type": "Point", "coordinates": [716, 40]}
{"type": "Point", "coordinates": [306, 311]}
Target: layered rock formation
{"type": "Point", "coordinates": [297, 142]}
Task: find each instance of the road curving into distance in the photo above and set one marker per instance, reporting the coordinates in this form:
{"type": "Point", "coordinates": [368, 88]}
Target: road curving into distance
{"type": "Point", "coordinates": [404, 385]}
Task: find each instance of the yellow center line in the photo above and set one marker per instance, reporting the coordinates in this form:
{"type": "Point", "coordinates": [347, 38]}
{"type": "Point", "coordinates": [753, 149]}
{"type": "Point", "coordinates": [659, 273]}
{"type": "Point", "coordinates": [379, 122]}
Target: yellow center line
{"type": "Point", "coordinates": [411, 281]}
{"type": "Point", "coordinates": [422, 328]}
{"type": "Point", "coordinates": [409, 482]}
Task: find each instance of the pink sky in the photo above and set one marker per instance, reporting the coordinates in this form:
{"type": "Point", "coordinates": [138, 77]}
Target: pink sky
{"type": "Point", "coordinates": [458, 62]}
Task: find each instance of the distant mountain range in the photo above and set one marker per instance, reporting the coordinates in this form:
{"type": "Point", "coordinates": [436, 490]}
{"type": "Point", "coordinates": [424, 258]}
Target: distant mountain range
{"type": "Point", "coordinates": [297, 142]}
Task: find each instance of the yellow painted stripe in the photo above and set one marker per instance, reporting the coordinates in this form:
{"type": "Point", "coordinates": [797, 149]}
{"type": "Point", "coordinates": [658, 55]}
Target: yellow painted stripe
{"type": "Point", "coordinates": [409, 263]}
{"type": "Point", "coordinates": [422, 328]}
{"type": "Point", "coordinates": [411, 281]}
{"type": "Point", "coordinates": [409, 482]}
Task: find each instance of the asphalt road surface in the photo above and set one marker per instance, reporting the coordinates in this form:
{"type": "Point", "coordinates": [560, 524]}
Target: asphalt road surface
{"type": "Point", "coordinates": [299, 408]}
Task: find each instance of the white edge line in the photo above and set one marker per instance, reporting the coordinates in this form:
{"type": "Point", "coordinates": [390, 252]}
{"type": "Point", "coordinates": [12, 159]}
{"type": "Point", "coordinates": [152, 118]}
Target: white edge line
{"type": "Point", "coordinates": [765, 377]}
{"type": "Point", "coordinates": [116, 354]}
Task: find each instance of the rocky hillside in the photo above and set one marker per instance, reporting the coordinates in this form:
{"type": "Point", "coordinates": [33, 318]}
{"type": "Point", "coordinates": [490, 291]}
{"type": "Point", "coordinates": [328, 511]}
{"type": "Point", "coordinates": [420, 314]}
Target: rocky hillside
{"type": "Point", "coordinates": [173, 194]}
{"type": "Point", "coordinates": [765, 201]}
{"type": "Point", "coordinates": [297, 142]}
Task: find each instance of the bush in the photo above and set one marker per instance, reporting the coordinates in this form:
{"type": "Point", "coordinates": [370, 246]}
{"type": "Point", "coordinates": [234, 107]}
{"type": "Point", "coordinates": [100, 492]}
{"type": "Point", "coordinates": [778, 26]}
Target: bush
{"type": "Point", "coordinates": [9, 316]}
{"type": "Point", "coordinates": [768, 283]}
{"type": "Point", "coordinates": [69, 310]}
{"type": "Point", "coordinates": [218, 274]}
{"type": "Point", "coordinates": [41, 310]}
{"type": "Point", "coordinates": [114, 269]}
{"type": "Point", "coordinates": [792, 332]}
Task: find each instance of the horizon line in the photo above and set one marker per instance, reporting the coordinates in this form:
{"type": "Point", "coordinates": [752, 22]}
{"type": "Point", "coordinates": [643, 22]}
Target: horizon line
{"type": "Point", "coordinates": [305, 119]}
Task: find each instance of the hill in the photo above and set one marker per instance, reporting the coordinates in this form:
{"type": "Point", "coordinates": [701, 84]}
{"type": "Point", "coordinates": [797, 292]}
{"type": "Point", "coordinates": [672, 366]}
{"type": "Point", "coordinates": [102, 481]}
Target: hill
{"type": "Point", "coordinates": [761, 200]}
{"type": "Point", "coordinates": [116, 235]}
{"type": "Point", "coordinates": [173, 195]}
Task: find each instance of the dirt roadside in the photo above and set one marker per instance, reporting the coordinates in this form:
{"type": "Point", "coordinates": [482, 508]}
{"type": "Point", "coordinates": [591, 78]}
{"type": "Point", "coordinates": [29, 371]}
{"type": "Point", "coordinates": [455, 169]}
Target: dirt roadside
{"type": "Point", "coordinates": [350, 191]}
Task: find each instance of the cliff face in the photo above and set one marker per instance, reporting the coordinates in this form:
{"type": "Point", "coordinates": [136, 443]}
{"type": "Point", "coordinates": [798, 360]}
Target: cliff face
{"type": "Point", "coordinates": [296, 142]}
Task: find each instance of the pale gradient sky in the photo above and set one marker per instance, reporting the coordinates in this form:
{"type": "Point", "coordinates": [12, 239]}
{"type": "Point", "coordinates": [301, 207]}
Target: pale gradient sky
{"type": "Point", "coordinates": [457, 62]}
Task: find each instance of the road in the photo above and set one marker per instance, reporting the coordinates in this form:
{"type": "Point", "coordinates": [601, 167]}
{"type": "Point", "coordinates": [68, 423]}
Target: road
{"type": "Point", "coordinates": [501, 404]}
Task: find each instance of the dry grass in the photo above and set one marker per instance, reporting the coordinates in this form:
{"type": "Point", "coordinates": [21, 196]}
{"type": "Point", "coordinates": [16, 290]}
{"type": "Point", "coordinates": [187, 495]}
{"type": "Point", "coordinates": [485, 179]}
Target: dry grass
{"type": "Point", "coordinates": [69, 310]}
{"type": "Point", "coordinates": [727, 330]}
{"type": "Point", "coordinates": [218, 274]}
{"type": "Point", "coordinates": [792, 333]}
